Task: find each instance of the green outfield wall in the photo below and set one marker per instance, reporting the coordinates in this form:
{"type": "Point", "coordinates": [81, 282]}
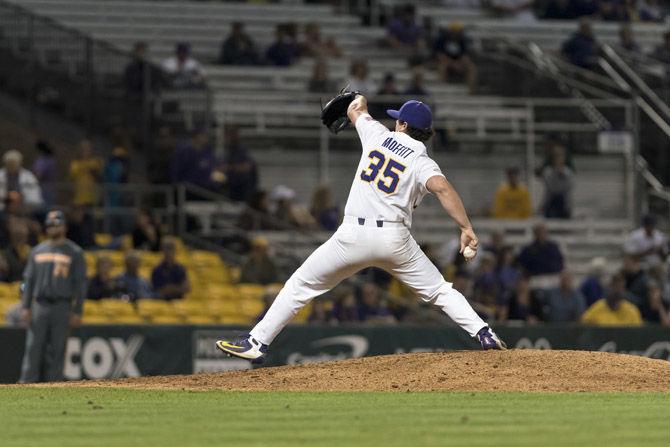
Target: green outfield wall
{"type": "Point", "coordinates": [96, 352]}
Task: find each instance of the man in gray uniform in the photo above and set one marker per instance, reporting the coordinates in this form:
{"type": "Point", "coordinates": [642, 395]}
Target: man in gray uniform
{"type": "Point", "coordinates": [52, 301]}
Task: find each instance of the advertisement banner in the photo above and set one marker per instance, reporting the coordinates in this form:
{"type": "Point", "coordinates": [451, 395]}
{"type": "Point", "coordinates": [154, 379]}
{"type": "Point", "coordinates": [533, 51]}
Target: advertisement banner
{"type": "Point", "coordinates": [99, 352]}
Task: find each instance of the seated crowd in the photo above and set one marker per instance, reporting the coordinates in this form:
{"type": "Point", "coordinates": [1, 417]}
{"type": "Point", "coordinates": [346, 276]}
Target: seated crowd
{"type": "Point", "coordinates": [529, 283]}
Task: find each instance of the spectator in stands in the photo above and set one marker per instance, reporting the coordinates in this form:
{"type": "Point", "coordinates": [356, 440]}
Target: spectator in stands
{"type": "Point", "coordinates": [116, 173]}
{"type": "Point", "coordinates": [284, 51]}
{"type": "Point", "coordinates": [653, 309]}
{"type": "Point", "coordinates": [147, 234]}
{"type": "Point", "coordinates": [194, 162]}
{"type": "Point", "coordinates": [662, 52]}
{"type": "Point", "coordinates": [453, 55]}
{"type": "Point", "coordinates": [512, 199]}
{"type": "Point", "coordinates": [314, 45]}
{"type": "Point", "coordinates": [259, 267]}
{"type": "Point", "coordinates": [359, 78]}
{"type": "Point", "coordinates": [85, 173]}
{"type": "Point", "coordinates": [636, 278]}
{"type": "Point", "coordinates": [101, 284]}
{"type": "Point", "coordinates": [81, 227]}
{"type": "Point", "coordinates": [15, 178]}
{"type": "Point", "coordinates": [558, 186]}
{"type": "Point", "coordinates": [388, 87]}
{"type": "Point", "coordinates": [626, 39]}
{"type": "Point", "coordinates": [169, 279]}
{"type": "Point", "coordinates": [403, 30]}
{"type": "Point", "coordinates": [416, 86]}
{"type": "Point", "coordinates": [15, 218]}
{"type": "Point", "coordinates": [566, 303]}
{"type": "Point", "coordinates": [183, 71]}
{"type": "Point", "coordinates": [613, 309]}
{"type": "Point", "coordinates": [612, 11]}
{"type": "Point", "coordinates": [159, 159]}
{"type": "Point", "coordinates": [373, 308]}
{"type": "Point", "coordinates": [582, 48]}
{"type": "Point", "coordinates": [520, 10]}
{"type": "Point", "coordinates": [15, 254]}
{"type": "Point", "coordinates": [658, 274]}
{"type": "Point", "coordinates": [288, 211]}
{"type": "Point", "coordinates": [256, 215]}
{"type": "Point", "coordinates": [647, 244]}
{"type": "Point", "coordinates": [485, 287]}
{"type": "Point", "coordinates": [652, 11]}
{"type": "Point", "coordinates": [592, 287]}
{"type": "Point", "coordinates": [497, 244]}
{"type": "Point", "coordinates": [320, 82]}
{"type": "Point", "coordinates": [345, 309]}
{"type": "Point", "coordinates": [323, 210]}
{"type": "Point", "coordinates": [130, 285]}
{"type": "Point", "coordinates": [239, 167]}
{"type": "Point", "coordinates": [462, 281]}
{"type": "Point", "coordinates": [517, 306]}
{"type": "Point", "coordinates": [238, 48]}
{"type": "Point", "coordinates": [140, 74]}
{"type": "Point", "coordinates": [44, 169]}
{"type": "Point", "coordinates": [542, 256]}
{"type": "Point", "coordinates": [507, 273]}
{"type": "Point", "coordinates": [319, 313]}
{"type": "Point", "coordinates": [387, 90]}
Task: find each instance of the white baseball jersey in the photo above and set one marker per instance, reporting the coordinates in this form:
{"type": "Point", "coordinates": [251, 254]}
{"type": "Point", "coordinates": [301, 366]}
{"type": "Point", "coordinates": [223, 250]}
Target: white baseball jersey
{"type": "Point", "coordinates": [391, 177]}
{"type": "Point", "coordinates": [390, 181]}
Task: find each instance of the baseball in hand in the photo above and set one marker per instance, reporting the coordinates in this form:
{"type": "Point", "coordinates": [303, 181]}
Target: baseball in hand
{"type": "Point", "coordinates": [469, 253]}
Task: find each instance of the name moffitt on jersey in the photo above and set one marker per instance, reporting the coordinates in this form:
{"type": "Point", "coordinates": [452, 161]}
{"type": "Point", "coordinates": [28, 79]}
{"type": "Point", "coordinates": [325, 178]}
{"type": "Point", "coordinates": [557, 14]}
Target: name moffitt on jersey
{"type": "Point", "coordinates": [392, 174]}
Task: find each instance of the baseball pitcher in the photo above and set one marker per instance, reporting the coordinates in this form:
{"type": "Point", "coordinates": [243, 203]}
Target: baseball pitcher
{"type": "Point", "coordinates": [393, 176]}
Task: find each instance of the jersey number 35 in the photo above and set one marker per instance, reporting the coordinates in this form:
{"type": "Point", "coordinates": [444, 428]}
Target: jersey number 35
{"type": "Point", "coordinates": [391, 170]}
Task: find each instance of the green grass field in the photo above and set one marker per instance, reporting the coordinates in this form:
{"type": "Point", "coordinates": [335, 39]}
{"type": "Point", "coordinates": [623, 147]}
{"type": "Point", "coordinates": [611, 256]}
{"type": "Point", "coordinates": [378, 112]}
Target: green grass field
{"type": "Point", "coordinates": [73, 417]}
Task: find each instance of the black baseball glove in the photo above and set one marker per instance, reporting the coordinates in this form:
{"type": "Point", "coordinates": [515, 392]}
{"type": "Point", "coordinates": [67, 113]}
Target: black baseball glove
{"type": "Point", "coordinates": [334, 113]}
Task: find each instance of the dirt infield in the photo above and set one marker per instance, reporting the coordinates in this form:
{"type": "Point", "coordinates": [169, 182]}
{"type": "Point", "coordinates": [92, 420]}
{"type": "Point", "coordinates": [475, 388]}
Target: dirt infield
{"type": "Point", "coordinates": [514, 370]}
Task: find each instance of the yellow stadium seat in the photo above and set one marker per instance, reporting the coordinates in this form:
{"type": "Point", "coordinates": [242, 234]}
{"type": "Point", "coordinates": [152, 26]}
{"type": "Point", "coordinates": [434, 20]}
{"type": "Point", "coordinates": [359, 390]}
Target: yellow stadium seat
{"type": "Point", "coordinates": [250, 290]}
{"type": "Point", "coordinates": [96, 319]}
{"type": "Point", "coordinates": [237, 319]}
{"type": "Point", "coordinates": [234, 273]}
{"type": "Point", "coordinates": [129, 319]}
{"type": "Point", "coordinates": [223, 291]}
{"type": "Point", "coordinates": [115, 308]}
{"type": "Point", "coordinates": [251, 308]}
{"type": "Point", "coordinates": [167, 319]}
{"type": "Point", "coordinates": [127, 242]}
{"type": "Point", "coordinates": [151, 307]}
{"type": "Point", "coordinates": [201, 319]}
{"type": "Point", "coordinates": [10, 290]}
{"type": "Point", "coordinates": [102, 239]}
{"type": "Point", "coordinates": [92, 307]}
{"type": "Point", "coordinates": [303, 314]}
{"type": "Point", "coordinates": [188, 307]}
{"type": "Point", "coordinates": [151, 258]}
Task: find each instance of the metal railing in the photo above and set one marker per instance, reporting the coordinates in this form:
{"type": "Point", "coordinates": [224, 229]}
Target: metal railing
{"type": "Point", "coordinates": [59, 68]}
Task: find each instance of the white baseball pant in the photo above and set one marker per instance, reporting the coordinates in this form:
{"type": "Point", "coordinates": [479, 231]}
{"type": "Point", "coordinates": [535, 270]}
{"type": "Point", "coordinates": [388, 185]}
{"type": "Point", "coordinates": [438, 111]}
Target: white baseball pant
{"type": "Point", "coordinates": [354, 247]}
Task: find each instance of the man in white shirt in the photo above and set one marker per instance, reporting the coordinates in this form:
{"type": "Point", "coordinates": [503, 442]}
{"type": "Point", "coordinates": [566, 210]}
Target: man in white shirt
{"type": "Point", "coordinates": [13, 177]}
{"type": "Point", "coordinates": [183, 70]}
{"type": "Point", "coordinates": [647, 244]}
{"type": "Point", "coordinates": [392, 177]}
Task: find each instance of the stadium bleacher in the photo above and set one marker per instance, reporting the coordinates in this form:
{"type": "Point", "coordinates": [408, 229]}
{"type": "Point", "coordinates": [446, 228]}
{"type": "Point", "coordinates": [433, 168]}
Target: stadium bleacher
{"type": "Point", "coordinates": [270, 103]}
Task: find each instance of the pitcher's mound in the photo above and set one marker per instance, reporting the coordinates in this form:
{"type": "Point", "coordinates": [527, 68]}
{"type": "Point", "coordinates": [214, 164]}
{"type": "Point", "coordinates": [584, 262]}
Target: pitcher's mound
{"type": "Point", "coordinates": [514, 370]}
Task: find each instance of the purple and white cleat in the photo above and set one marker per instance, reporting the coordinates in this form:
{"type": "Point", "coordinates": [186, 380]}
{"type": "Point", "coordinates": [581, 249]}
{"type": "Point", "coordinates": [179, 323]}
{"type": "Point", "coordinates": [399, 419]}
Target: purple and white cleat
{"type": "Point", "coordinates": [489, 339]}
{"type": "Point", "coordinates": [245, 347]}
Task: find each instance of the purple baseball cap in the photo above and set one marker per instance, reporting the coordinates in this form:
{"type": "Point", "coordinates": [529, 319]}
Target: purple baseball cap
{"type": "Point", "coordinates": [415, 113]}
